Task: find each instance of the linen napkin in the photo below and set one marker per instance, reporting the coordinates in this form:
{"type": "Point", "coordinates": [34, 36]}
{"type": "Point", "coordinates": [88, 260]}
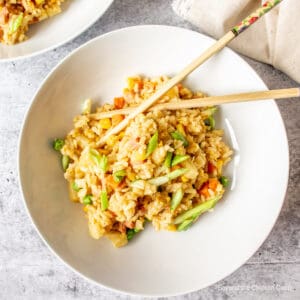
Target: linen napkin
{"type": "Point", "coordinates": [274, 39]}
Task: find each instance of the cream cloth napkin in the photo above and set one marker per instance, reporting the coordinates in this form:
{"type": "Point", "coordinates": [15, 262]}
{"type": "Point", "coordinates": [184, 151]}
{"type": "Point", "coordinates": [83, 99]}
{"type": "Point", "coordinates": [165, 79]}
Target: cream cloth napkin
{"type": "Point", "coordinates": [274, 39]}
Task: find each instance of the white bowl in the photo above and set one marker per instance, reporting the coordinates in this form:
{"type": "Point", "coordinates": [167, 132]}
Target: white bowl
{"type": "Point", "coordinates": [76, 17]}
{"type": "Point", "coordinates": [156, 263]}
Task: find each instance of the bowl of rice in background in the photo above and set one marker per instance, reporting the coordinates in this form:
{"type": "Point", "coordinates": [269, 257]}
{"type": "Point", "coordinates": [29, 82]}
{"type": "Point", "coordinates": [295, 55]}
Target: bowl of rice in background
{"type": "Point", "coordinates": [32, 27]}
{"type": "Point", "coordinates": [157, 261]}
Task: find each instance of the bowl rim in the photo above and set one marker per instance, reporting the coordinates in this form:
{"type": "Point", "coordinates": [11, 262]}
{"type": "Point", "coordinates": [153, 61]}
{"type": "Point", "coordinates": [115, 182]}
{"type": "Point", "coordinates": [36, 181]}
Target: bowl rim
{"type": "Point", "coordinates": [24, 122]}
{"type": "Point", "coordinates": [57, 45]}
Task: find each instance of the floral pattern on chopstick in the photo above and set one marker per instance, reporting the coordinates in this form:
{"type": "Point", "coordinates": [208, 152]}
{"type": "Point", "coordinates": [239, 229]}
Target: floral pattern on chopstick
{"type": "Point", "coordinates": [247, 22]}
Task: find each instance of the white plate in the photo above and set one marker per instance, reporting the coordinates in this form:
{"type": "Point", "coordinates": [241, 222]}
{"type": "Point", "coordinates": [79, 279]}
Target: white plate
{"type": "Point", "coordinates": [76, 17]}
{"type": "Point", "coordinates": [164, 263]}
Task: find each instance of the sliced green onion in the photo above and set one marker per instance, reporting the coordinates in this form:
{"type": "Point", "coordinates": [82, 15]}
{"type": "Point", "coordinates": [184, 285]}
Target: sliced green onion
{"type": "Point", "coordinates": [210, 111]}
{"type": "Point", "coordinates": [87, 200]}
{"type": "Point", "coordinates": [224, 181]}
{"type": "Point", "coordinates": [100, 160]}
{"type": "Point", "coordinates": [152, 144]}
{"type": "Point", "coordinates": [119, 175]}
{"type": "Point", "coordinates": [178, 159]}
{"type": "Point", "coordinates": [138, 184]}
{"type": "Point", "coordinates": [159, 180]}
{"type": "Point", "coordinates": [198, 210]}
{"type": "Point", "coordinates": [104, 200]}
{"type": "Point", "coordinates": [177, 173]}
{"type": "Point", "coordinates": [210, 122]}
{"type": "Point", "coordinates": [166, 178]}
{"type": "Point", "coordinates": [75, 187]}
{"type": "Point", "coordinates": [185, 224]}
{"type": "Point", "coordinates": [103, 163]}
{"type": "Point", "coordinates": [95, 155]}
{"type": "Point", "coordinates": [176, 199]}
{"type": "Point", "coordinates": [176, 135]}
{"type": "Point", "coordinates": [65, 160]}
{"type": "Point", "coordinates": [58, 144]}
{"type": "Point", "coordinates": [168, 160]}
{"type": "Point", "coordinates": [131, 233]}
{"type": "Point", "coordinates": [16, 23]}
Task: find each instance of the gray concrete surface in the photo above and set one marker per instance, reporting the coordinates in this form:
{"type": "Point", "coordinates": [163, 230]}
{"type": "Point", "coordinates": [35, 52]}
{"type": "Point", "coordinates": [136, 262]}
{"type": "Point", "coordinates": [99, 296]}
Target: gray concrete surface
{"type": "Point", "coordinates": [28, 270]}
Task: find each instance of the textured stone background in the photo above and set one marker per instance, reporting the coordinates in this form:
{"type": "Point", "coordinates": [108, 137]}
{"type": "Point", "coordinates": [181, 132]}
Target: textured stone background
{"type": "Point", "coordinates": [28, 270]}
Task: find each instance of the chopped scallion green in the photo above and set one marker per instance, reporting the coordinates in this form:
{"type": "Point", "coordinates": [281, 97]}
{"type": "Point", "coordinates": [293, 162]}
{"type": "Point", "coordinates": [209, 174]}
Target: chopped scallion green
{"type": "Point", "coordinates": [58, 144]}
{"type": "Point", "coordinates": [16, 23]}
{"type": "Point", "coordinates": [131, 233]}
{"type": "Point", "coordinates": [176, 199]}
{"type": "Point", "coordinates": [197, 210]}
{"type": "Point", "coordinates": [224, 181]}
{"type": "Point", "coordinates": [65, 160]}
{"type": "Point", "coordinates": [178, 159]}
{"type": "Point", "coordinates": [119, 175]}
{"type": "Point", "coordinates": [104, 200]}
{"type": "Point", "coordinates": [176, 135]}
{"type": "Point", "coordinates": [152, 144]}
{"type": "Point", "coordinates": [75, 187]}
{"type": "Point", "coordinates": [168, 159]}
{"type": "Point", "coordinates": [87, 200]}
{"type": "Point", "coordinates": [210, 122]}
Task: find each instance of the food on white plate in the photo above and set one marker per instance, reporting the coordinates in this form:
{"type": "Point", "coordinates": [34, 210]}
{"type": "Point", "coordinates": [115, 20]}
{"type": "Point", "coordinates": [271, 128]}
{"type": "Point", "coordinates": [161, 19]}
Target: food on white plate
{"type": "Point", "coordinates": [17, 15]}
{"type": "Point", "coordinates": [164, 168]}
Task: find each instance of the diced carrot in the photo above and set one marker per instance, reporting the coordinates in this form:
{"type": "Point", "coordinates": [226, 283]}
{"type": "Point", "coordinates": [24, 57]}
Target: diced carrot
{"type": "Point", "coordinates": [213, 183]}
{"type": "Point", "coordinates": [122, 227]}
{"type": "Point", "coordinates": [122, 184]}
{"type": "Point", "coordinates": [111, 183]}
{"type": "Point", "coordinates": [140, 84]}
{"type": "Point", "coordinates": [211, 168]}
{"type": "Point", "coordinates": [129, 224]}
{"type": "Point", "coordinates": [119, 102]}
{"type": "Point", "coordinates": [204, 190]}
{"type": "Point", "coordinates": [112, 214]}
{"type": "Point", "coordinates": [176, 167]}
{"type": "Point", "coordinates": [117, 119]}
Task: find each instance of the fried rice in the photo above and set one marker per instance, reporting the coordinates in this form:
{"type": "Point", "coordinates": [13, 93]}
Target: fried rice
{"type": "Point", "coordinates": [17, 15]}
{"type": "Point", "coordinates": [164, 168]}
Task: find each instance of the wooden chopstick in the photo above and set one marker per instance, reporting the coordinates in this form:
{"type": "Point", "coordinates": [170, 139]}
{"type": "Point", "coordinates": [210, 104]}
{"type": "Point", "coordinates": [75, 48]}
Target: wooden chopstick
{"type": "Point", "coordinates": [216, 47]}
{"type": "Point", "coordinates": [207, 101]}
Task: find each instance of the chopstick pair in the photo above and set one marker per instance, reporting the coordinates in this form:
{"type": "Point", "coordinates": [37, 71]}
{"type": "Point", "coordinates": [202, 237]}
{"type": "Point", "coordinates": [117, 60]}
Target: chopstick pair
{"type": "Point", "coordinates": [216, 47]}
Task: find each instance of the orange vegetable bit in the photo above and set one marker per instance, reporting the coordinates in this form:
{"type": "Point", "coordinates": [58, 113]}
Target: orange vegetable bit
{"type": "Point", "coordinates": [129, 224]}
{"type": "Point", "coordinates": [211, 168]}
{"type": "Point", "coordinates": [213, 183]}
{"type": "Point", "coordinates": [119, 102]}
{"type": "Point", "coordinates": [204, 190]}
{"type": "Point", "coordinates": [117, 119]}
{"type": "Point", "coordinates": [111, 183]}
